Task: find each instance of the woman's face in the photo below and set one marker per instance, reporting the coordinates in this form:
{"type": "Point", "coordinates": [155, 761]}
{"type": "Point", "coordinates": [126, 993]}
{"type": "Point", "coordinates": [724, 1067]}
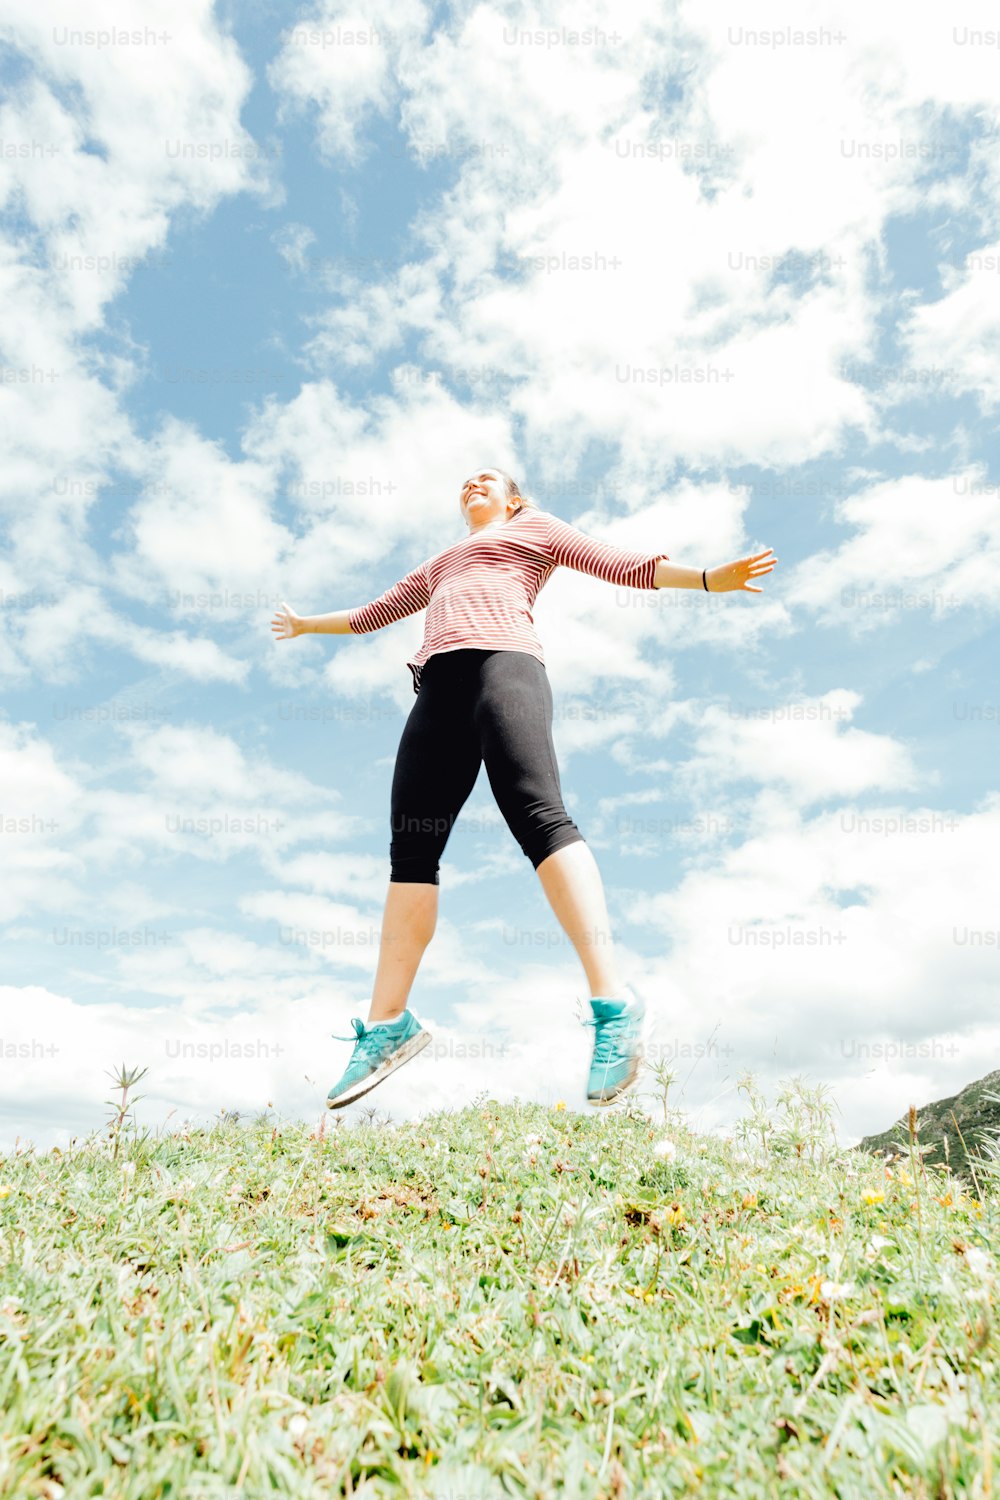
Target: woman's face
{"type": "Point", "coordinates": [483, 499]}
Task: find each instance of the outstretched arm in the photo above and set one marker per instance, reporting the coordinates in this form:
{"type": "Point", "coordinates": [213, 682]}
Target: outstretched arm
{"type": "Point", "coordinates": [721, 580]}
{"type": "Point", "coordinates": [287, 623]}
{"type": "Point", "coordinates": [571, 548]}
{"type": "Point", "coordinates": [404, 598]}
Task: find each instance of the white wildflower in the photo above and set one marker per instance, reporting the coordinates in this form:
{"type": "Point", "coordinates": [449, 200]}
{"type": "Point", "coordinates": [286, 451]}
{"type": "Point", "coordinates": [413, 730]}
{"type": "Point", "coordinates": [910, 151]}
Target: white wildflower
{"type": "Point", "coordinates": [298, 1425]}
{"type": "Point", "coordinates": [665, 1150]}
{"type": "Point", "coordinates": [834, 1291]}
{"type": "Point", "coordinates": [977, 1260]}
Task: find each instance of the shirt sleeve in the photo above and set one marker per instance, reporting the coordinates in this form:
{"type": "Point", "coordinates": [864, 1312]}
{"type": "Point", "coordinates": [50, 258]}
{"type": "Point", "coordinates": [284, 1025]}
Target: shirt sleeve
{"type": "Point", "coordinates": [404, 598]}
{"type": "Point", "coordinates": [570, 548]}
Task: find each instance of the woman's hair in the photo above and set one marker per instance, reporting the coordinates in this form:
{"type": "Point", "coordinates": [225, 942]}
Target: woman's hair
{"type": "Point", "coordinates": [512, 489]}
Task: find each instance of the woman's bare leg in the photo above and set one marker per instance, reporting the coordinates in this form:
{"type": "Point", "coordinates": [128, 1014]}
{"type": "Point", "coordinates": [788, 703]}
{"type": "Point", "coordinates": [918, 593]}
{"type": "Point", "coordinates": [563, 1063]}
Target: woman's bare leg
{"type": "Point", "coordinates": [572, 883]}
{"type": "Point", "coordinates": [408, 924]}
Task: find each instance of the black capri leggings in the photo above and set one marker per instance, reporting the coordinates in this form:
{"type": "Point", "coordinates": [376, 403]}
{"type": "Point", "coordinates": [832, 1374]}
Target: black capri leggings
{"type": "Point", "coordinates": [475, 706]}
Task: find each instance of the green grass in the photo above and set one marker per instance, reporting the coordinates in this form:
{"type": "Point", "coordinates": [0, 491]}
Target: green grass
{"type": "Point", "coordinates": [446, 1308]}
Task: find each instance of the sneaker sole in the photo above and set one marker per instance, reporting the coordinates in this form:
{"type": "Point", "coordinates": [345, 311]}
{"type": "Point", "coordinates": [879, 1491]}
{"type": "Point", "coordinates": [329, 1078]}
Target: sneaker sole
{"type": "Point", "coordinates": [365, 1085]}
{"type": "Point", "coordinates": [608, 1096]}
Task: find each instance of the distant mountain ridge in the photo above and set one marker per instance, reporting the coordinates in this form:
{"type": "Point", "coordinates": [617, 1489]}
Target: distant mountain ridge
{"type": "Point", "coordinates": [978, 1124]}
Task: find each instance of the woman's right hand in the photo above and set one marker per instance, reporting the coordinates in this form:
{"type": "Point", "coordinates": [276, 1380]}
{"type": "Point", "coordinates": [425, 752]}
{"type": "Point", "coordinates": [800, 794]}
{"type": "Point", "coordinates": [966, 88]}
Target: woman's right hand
{"type": "Point", "coordinates": [286, 623]}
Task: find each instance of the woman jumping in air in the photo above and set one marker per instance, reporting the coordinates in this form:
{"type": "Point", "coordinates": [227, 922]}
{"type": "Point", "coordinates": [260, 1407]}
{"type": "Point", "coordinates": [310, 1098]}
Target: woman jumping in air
{"type": "Point", "coordinates": [483, 694]}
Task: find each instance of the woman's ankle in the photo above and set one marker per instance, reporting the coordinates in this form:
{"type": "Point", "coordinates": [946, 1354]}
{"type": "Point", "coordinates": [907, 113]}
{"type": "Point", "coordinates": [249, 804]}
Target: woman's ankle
{"type": "Point", "coordinates": [386, 1019]}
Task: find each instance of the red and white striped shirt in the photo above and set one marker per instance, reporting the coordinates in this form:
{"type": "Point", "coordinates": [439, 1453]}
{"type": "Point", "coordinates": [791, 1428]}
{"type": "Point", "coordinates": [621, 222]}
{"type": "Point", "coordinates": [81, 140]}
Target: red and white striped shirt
{"type": "Point", "coordinates": [479, 592]}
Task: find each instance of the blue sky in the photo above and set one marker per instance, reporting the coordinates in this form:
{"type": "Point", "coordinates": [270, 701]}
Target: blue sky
{"type": "Point", "coordinates": [275, 280]}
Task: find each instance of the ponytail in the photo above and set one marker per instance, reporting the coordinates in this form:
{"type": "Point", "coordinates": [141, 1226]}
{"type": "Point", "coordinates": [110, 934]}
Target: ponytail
{"type": "Point", "coordinates": [514, 493]}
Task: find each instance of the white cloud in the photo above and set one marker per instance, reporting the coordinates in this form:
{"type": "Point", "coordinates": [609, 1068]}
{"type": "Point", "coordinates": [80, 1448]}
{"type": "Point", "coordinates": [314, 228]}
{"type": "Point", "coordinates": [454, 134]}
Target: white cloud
{"type": "Point", "coordinates": [151, 129]}
{"type": "Point", "coordinates": [808, 1002]}
{"type": "Point", "coordinates": [51, 636]}
{"type": "Point", "coordinates": [556, 135]}
{"type": "Point", "coordinates": [278, 1050]}
{"type": "Point", "coordinates": [293, 242]}
{"type": "Point", "coordinates": [362, 876]}
{"type": "Point", "coordinates": [808, 747]}
{"type": "Point", "coordinates": [344, 61]}
{"type": "Point", "coordinates": [920, 543]}
{"type": "Point", "coordinates": [203, 798]}
{"type": "Point", "coordinates": [204, 538]}
{"type": "Point", "coordinates": [761, 942]}
{"type": "Point", "coordinates": [549, 143]}
{"type": "Point", "coordinates": [203, 765]}
{"type": "Point", "coordinates": [953, 340]}
{"type": "Point", "coordinates": [42, 804]}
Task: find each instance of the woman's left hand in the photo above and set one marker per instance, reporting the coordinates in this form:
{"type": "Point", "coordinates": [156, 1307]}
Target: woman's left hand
{"type": "Point", "coordinates": [734, 575]}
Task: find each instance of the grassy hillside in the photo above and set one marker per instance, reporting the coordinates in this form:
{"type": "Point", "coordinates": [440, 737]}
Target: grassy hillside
{"type": "Point", "coordinates": [507, 1300]}
{"type": "Point", "coordinates": [954, 1129]}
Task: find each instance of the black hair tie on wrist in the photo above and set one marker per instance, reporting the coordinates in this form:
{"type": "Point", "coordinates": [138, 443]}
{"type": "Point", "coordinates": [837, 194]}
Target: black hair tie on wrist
{"type": "Point", "coordinates": [706, 587]}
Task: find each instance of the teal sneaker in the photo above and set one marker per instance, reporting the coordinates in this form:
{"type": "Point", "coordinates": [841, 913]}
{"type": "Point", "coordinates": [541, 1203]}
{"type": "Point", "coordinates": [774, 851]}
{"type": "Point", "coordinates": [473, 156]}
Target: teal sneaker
{"type": "Point", "coordinates": [618, 1047]}
{"type": "Point", "coordinates": [378, 1051]}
